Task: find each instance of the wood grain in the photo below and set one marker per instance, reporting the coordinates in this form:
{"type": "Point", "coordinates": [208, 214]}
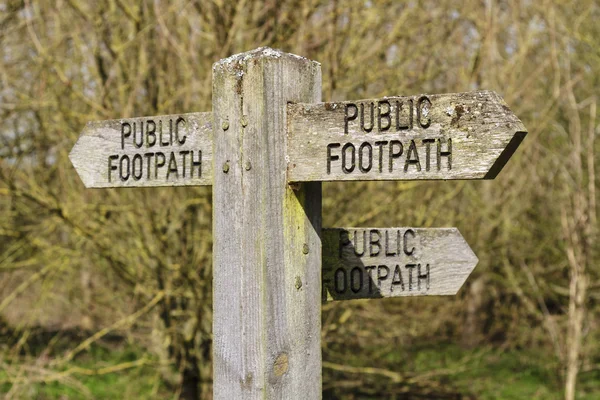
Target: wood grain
{"type": "Point", "coordinates": [483, 132]}
{"type": "Point", "coordinates": [361, 263]}
{"type": "Point", "coordinates": [267, 250]}
{"type": "Point", "coordinates": [132, 152]}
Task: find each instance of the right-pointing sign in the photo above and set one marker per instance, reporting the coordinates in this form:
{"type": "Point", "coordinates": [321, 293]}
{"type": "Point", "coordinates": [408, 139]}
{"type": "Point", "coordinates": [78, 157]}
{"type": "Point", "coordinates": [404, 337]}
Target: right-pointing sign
{"type": "Point", "coordinates": [361, 263]}
{"type": "Point", "coordinates": [439, 136]}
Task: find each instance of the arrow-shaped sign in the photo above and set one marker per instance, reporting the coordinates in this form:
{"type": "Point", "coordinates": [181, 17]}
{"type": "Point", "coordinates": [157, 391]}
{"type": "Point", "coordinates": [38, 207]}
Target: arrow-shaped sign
{"type": "Point", "coordinates": [445, 136]}
{"type": "Point", "coordinates": [363, 263]}
{"type": "Point", "coordinates": [439, 136]}
{"type": "Point", "coordinates": [168, 150]}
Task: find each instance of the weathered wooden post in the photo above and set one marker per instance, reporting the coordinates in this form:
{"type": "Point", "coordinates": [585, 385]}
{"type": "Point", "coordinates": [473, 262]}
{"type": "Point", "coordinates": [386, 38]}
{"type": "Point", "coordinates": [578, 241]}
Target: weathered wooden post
{"type": "Point", "coordinates": [267, 250]}
{"type": "Point", "coordinates": [265, 148]}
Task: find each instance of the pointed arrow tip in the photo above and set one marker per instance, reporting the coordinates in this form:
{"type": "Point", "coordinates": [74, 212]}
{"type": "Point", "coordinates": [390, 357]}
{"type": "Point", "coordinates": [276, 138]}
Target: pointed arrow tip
{"type": "Point", "coordinates": [468, 250]}
{"type": "Point", "coordinates": [470, 259]}
{"type": "Point", "coordinates": [519, 134]}
{"type": "Point", "coordinates": [506, 154]}
{"type": "Point", "coordinates": [75, 154]}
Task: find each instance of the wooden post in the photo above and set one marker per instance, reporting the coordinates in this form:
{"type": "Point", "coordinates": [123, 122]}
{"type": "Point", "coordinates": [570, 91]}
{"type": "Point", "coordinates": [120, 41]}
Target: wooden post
{"type": "Point", "coordinates": [267, 245]}
{"type": "Point", "coordinates": [267, 249]}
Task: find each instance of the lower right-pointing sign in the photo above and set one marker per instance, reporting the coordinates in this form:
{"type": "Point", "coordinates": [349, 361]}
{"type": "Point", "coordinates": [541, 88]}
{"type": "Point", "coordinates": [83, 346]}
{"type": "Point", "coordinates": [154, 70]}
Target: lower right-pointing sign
{"type": "Point", "coordinates": [360, 263]}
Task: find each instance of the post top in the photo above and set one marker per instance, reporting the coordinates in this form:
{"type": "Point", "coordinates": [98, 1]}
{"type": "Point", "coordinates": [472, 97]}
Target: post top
{"type": "Point", "coordinates": [259, 53]}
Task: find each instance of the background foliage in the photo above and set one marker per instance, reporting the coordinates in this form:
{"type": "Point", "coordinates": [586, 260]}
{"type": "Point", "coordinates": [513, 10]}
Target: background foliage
{"type": "Point", "coordinates": [107, 293]}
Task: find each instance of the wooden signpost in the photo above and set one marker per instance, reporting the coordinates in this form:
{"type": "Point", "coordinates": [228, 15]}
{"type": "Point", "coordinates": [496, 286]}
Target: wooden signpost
{"type": "Point", "coordinates": [266, 251]}
{"type": "Point", "coordinates": [447, 136]}
{"type": "Point", "coordinates": [368, 263]}
{"type": "Point", "coordinates": [167, 150]}
{"type": "Point", "coordinates": [266, 147]}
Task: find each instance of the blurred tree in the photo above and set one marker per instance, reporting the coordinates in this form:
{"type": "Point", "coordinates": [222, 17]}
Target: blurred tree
{"type": "Point", "coordinates": [137, 262]}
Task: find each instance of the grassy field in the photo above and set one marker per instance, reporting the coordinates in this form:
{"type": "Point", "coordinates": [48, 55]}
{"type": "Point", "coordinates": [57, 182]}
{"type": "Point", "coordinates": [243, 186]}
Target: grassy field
{"type": "Point", "coordinates": [484, 373]}
{"type": "Point", "coordinates": [125, 373]}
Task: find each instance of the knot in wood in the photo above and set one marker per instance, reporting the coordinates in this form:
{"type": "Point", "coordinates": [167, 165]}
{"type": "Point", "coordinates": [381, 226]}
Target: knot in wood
{"type": "Point", "coordinates": [281, 364]}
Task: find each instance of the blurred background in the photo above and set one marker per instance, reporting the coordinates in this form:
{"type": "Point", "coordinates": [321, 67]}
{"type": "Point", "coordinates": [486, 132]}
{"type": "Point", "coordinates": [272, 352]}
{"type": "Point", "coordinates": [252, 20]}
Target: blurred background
{"type": "Point", "coordinates": [107, 293]}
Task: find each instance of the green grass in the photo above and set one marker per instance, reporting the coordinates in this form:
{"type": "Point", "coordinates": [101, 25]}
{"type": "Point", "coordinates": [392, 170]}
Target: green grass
{"type": "Point", "coordinates": [495, 374]}
{"type": "Point", "coordinates": [488, 374]}
{"type": "Point", "coordinates": [485, 374]}
{"type": "Point", "coordinates": [480, 374]}
{"type": "Point", "coordinates": [138, 382]}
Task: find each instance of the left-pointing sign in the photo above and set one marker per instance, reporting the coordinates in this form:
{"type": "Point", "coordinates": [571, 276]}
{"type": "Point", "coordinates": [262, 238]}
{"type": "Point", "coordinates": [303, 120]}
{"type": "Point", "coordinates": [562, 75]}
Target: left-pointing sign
{"type": "Point", "coordinates": [166, 150]}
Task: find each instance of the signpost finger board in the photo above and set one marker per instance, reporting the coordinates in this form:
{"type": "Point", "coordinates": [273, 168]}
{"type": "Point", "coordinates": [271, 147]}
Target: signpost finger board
{"type": "Point", "coordinates": [367, 263]}
{"type": "Point", "coordinates": [167, 150]}
{"type": "Point", "coordinates": [440, 136]}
